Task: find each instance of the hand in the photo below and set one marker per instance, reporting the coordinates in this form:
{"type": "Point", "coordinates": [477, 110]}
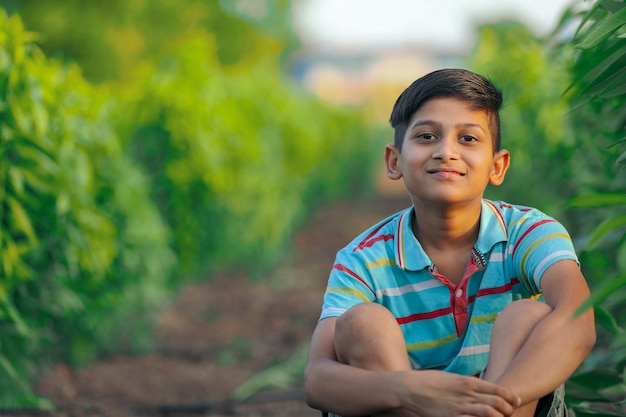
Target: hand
{"type": "Point", "coordinates": [443, 394]}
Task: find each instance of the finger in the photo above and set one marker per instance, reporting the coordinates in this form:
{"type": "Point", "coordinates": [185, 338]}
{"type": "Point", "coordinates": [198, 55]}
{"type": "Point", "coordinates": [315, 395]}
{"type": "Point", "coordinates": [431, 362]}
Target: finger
{"type": "Point", "coordinates": [500, 404]}
{"type": "Point", "coordinates": [485, 410]}
{"type": "Point", "coordinates": [510, 397]}
{"type": "Point", "coordinates": [492, 389]}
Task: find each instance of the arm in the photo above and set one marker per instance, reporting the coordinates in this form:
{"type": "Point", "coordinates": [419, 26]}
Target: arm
{"type": "Point", "coordinates": [559, 342]}
{"type": "Point", "coordinates": [349, 390]}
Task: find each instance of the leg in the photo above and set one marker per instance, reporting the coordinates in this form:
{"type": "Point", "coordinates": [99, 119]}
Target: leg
{"type": "Point", "coordinates": [369, 337]}
{"type": "Point", "coordinates": [510, 332]}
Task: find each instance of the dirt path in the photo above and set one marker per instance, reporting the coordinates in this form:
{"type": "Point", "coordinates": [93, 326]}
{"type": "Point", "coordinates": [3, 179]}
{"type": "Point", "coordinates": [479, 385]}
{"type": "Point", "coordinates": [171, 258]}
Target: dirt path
{"type": "Point", "coordinates": [218, 334]}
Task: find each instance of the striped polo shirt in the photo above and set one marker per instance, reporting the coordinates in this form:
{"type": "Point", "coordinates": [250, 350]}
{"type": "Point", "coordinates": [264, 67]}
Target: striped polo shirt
{"type": "Point", "coordinates": [447, 326]}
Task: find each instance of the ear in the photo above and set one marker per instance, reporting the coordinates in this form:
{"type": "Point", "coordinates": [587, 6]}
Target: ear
{"type": "Point", "coordinates": [392, 162]}
{"type": "Point", "coordinates": [501, 162]}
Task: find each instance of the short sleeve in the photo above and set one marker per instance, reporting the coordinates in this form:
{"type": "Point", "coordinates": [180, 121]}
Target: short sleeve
{"type": "Point", "coordinates": [538, 241]}
{"type": "Point", "coordinates": [349, 284]}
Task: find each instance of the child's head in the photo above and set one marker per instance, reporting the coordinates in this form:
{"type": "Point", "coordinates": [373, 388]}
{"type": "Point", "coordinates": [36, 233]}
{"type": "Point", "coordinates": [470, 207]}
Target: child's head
{"type": "Point", "coordinates": [459, 83]}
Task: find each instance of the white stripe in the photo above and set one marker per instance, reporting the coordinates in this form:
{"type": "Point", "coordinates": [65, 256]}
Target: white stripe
{"type": "Point", "coordinates": [394, 292]}
{"type": "Point", "coordinates": [333, 311]}
{"type": "Point", "coordinates": [499, 256]}
{"type": "Point", "coordinates": [554, 255]}
{"type": "Point", "coordinates": [496, 257]}
{"type": "Point", "coordinates": [473, 350]}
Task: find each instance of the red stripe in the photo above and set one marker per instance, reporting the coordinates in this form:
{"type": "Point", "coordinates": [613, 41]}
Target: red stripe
{"type": "Point", "coordinates": [424, 316]}
{"type": "Point", "coordinates": [522, 209]}
{"type": "Point", "coordinates": [370, 242]}
{"type": "Point", "coordinates": [496, 290]}
{"type": "Point", "coordinates": [530, 230]}
{"type": "Point", "coordinates": [342, 268]}
{"type": "Point", "coordinates": [365, 242]}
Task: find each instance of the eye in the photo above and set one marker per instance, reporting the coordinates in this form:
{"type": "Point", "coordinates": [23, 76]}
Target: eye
{"type": "Point", "coordinates": [426, 136]}
{"type": "Point", "coordinates": [468, 139]}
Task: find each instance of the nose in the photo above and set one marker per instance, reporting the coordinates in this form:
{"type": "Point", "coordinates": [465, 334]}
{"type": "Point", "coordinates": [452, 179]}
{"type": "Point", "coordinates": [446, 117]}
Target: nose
{"type": "Point", "coordinates": [446, 149]}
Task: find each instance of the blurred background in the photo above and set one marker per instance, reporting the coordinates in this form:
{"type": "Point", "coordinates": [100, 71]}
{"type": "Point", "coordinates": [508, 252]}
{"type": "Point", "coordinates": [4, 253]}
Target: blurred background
{"type": "Point", "coordinates": [153, 145]}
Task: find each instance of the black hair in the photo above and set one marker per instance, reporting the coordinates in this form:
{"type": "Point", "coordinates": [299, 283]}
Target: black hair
{"type": "Point", "coordinates": [459, 83]}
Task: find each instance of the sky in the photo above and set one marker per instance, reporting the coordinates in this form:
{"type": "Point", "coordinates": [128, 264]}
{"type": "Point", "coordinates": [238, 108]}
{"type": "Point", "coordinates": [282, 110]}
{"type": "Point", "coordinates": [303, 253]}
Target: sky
{"type": "Point", "coordinates": [444, 24]}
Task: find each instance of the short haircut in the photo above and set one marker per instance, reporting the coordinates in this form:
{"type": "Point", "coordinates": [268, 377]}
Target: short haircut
{"type": "Point", "coordinates": [458, 83]}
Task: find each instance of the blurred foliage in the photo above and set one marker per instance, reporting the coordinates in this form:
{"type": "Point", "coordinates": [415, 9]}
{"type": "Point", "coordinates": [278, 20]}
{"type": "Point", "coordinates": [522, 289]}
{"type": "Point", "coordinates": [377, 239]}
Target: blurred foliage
{"type": "Point", "coordinates": [599, 118]}
{"type": "Point", "coordinates": [109, 39]}
{"type": "Point", "coordinates": [196, 156]}
{"type": "Point", "coordinates": [70, 227]}
{"type": "Point", "coordinates": [237, 158]}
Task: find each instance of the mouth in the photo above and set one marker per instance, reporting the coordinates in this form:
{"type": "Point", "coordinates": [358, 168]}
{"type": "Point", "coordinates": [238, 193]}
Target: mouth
{"type": "Point", "coordinates": [446, 172]}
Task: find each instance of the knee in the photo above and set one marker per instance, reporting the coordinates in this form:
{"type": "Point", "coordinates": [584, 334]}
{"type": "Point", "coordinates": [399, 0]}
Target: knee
{"type": "Point", "coordinates": [527, 308]}
{"type": "Point", "coordinates": [368, 336]}
{"type": "Point", "coordinates": [363, 323]}
{"type": "Point", "coordinates": [522, 313]}
{"type": "Point", "coordinates": [364, 317]}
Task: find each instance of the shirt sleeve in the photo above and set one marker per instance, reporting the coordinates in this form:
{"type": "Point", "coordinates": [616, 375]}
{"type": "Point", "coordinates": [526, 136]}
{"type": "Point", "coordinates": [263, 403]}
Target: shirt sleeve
{"type": "Point", "coordinates": [349, 284]}
{"type": "Point", "coordinates": [538, 241]}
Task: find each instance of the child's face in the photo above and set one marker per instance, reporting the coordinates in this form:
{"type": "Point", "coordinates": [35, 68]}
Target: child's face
{"type": "Point", "coordinates": [448, 153]}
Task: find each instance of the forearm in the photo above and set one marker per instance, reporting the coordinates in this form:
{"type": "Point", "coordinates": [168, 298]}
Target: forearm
{"type": "Point", "coordinates": [554, 349]}
{"type": "Point", "coordinates": [352, 391]}
{"type": "Point", "coordinates": [347, 390]}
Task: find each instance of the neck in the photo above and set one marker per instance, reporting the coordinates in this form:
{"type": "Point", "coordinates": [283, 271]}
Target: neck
{"type": "Point", "coordinates": [447, 228]}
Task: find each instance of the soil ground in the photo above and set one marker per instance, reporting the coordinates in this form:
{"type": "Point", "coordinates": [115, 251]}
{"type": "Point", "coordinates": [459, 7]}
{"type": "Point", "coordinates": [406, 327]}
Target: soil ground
{"type": "Point", "coordinates": [219, 333]}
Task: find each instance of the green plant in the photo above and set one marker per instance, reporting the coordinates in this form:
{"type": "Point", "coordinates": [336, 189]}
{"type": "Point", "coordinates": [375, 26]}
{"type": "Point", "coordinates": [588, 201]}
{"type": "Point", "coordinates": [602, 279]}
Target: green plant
{"type": "Point", "coordinates": [599, 77]}
{"type": "Point", "coordinates": [237, 157]}
{"type": "Point", "coordinates": [82, 246]}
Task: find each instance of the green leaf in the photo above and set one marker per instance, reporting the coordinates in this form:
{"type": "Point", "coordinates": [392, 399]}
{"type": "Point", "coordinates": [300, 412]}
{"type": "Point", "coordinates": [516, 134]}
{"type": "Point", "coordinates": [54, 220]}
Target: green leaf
{"type": "Point", "coordinates": [612, 6]}
{"type": "Point", "coordinates": [36, 182]}
{"type": "Point", "coordinates": [17, 180]}
{"type": "Point", "coordinates": [603, 30]}
{"type": "Point", "coordinates": [622, 140]}
{"type": "Point", "coordinates": [602, 84]}
{"type": "Point", "coordinates": [598, 409]}
{"type": "Point", "coordinates": [22, 221]}
{"type": "Point", "coordinates": [283, 375]}
{"type": "Point", "coordinates": [607, 227]}
{"type": "Point", "coordinates": [590, 73]}
{"type": "Point", "coordinates": [616, 86]}
{"type": "Point", "coordinates": [598, 200]}
{"type": "Point", "coordinates": [582, 393]}
{"type": "Point", "coordinates": [587, 17]}
{"type": "Point", "coordinates": [597, 379]}
{"type": "Point", "coordinates": [603, 291]}
{"type": "Point", "coordinates": [606, 320]}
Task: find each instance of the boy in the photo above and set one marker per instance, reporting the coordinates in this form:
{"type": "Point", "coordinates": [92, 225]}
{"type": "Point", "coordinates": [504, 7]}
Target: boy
{"type": "Point", "coordinates": [456, 306]}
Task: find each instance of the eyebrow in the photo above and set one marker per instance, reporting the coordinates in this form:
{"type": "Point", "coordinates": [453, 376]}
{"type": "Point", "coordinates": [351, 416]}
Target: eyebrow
{"type": "Point", "coordinates": [426, 122]}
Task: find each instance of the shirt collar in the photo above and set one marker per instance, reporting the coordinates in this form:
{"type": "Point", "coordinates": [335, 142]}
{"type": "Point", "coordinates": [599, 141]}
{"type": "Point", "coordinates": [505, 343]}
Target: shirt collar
{"type": "Point", "coordinates": [411, 256]}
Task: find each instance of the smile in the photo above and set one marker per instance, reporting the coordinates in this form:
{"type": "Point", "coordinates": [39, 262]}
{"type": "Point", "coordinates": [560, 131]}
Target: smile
{"type": "Point", "coordinates": [446, 172]}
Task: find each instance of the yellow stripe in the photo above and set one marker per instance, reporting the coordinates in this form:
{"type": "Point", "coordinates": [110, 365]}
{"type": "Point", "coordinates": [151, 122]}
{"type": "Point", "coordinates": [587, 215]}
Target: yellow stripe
{"type": "Point", "coordinates": [521, 220]}
{"type": "Point", "coordinates": [348, 291]}
{"type": "Point", "coordinates": [484, 318]}
{"type": "Point", "coordinates": [381, 262]}
{"type": "Point", "coordinates": [431, 343]}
